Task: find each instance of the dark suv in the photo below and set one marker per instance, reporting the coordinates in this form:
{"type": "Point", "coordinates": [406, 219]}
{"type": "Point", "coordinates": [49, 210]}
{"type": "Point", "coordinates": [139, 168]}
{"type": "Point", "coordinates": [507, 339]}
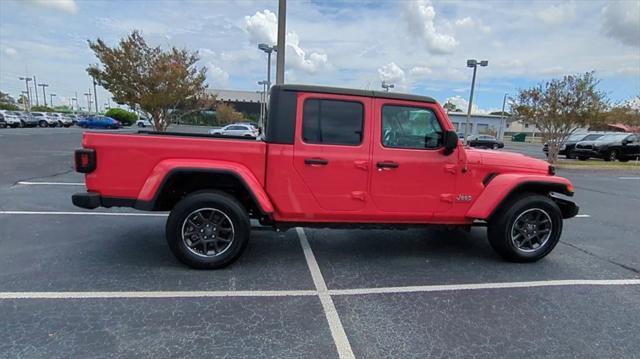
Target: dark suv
{"type": "Point", "coordinates": [570, 144]}
{"type": "Point", "coordinates": [610, 147]}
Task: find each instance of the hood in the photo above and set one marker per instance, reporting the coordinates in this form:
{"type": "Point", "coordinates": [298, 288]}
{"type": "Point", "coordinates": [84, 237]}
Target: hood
{"type": "Point", "coordinates": [508, 161]}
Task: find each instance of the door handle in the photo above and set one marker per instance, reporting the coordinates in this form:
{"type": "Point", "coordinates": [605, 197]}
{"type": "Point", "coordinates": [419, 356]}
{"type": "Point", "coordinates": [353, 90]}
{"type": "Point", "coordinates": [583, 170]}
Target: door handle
{"type": "Point", "coordinates": [316, 161]}
{"type": "Point", "coordinates": [387, 165]}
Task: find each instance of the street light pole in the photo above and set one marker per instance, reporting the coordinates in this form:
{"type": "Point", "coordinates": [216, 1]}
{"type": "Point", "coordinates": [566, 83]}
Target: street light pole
{"type": "Point", "coordinates": [474, 64]}
{"type": "Point", "coordinates": [95, 94]}
{"type": "Point", "coordinates": [26, 80]}
{"type": "Point", "coordinates": [282, 31]}
{"type": "Point", "coordinates": [263, 104]}
{"type": "Point", "coordinates": [88, 94]}
{"type": "Point", "coordinates": [36, 92]}
{"type": "Point", "coordinates": [44, 94]}
{"type": "Point", "coordinates": [386, 86]}
{"type": "Point", "coordinates": [51, 96]}
{"type": "Point", "coordinates": [268, 49]}
{"type": "Point", "coordinates": [502, 124]}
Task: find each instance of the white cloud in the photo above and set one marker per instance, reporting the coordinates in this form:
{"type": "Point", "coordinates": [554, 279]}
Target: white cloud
{"type": "Point", "coordinates": [470, 23]}
{"type": "Point", "coordinates": [218, 75]}
{"type": "Point", "coordinates": [262, 27]}
{"type": "Point", "coordinates": [394, 74]}
{"type": "Point", "coordinates": [420, 16]}
{"type": "Point", "coordinates": [69, 6]}
{"type": "Point", "coordinates": [10, 51]}
{"type": "Point", "coordinates": [420, 71]}
{"type": "Point", "coordinates": [621, 20]}
{"type": "Point", "coordinates": [558, 14]}
{"type": "Point", "coordinates": [463, 104]}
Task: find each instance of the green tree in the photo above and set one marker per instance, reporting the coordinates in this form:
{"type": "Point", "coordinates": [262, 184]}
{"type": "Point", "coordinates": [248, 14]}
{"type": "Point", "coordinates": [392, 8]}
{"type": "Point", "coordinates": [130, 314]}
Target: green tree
{"type": "Point", "coordinates": [561, 106]}
{"type": "Point", "coordinates": [150, 79]}
{"type": "Point", "coordinates": [42, 109]}
{"type": "Point", "coordinates": [451, 107]}
{"type": "Point", "coordinates": [226, 113]}
{"type": "Point", "coordinates": [8, 106]}
{"type": "Point", "coordinates": [6, 98]}
{"type": "Point", "coordinates": [124, 116]}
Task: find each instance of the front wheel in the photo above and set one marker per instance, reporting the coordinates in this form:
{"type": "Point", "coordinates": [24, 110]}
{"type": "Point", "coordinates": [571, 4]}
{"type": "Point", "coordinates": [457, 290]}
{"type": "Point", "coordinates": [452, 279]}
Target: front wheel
{"type": "Point", "coordinates": [569, 155]}
{"type": "Point", "coordinates": [526, 230]}
{"type": "Point", "coordinates": [611, 156]}
{"type": "Point", "coordinates": [495, 146]}
{"type": "Point", "coordinates": [208, 230]}
{"type": "Point", "coordinates": [43, 123]}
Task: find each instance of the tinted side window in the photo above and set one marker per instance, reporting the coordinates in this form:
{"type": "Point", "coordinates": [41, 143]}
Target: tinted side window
{"type": "Point", "coordinates": [332, 122]}
{"type": "Point", "coordinates": [410, 127]}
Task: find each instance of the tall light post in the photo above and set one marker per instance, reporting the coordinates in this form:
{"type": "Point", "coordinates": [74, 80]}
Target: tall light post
{"type": "Point", "coordinates": [44, 94]}
{"type": "Point", "coordinates": [36, 92]}
{"type": "Point", "coordinates": [474, 64]}
{"type": "Point", "coordinates": [282, 32]}
{"type": "Point", "coordinates": [263, 103]}
{"type": "Point", "coordinates": [26, 80]}
{"type": "Point", "coordinates": [95, 94]}
{"type": "Point", "coordinates": [386, 86]}
{"type": "Point", "coordinates": [88, 94]}
{"type": "Point", "coordinates": [268, 49]}
{"type": "Point", "coordinates": [51, 95]}
{"type": "Point", "coordinates": [502, 123]}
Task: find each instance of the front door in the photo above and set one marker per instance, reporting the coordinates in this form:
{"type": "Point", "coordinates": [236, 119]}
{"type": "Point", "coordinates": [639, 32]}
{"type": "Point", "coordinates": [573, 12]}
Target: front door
{"type": "Point", "coordinates": [331, 152]}
{"type": "Point", "coordinates": [412, 176]}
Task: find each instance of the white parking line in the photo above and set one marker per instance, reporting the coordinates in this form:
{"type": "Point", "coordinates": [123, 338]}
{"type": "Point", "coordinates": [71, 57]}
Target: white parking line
{"type": "Point", "coordinates": [629, 178]}
{"type": "Point", "coordinates": [335, 325]}
{"type": "Point", "coordinates": [583, 215]}
{"type": "Point", "coordinates": [157, 294]}
{"type": "Point", "coordinates": [476, 286]}
{"type": "Point", "coordinates": [50, 183]}
{"type": "Point", "coordinates": [124, 214]}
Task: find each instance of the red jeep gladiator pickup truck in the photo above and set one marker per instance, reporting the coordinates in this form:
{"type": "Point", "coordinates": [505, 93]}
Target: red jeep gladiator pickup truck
{"type": "Point", "coordinates": [330, 158]}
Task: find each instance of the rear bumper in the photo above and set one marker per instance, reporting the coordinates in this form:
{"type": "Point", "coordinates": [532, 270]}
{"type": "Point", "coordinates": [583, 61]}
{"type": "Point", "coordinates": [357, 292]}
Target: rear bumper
{"type": "Point", "coordinates": [93, 200]}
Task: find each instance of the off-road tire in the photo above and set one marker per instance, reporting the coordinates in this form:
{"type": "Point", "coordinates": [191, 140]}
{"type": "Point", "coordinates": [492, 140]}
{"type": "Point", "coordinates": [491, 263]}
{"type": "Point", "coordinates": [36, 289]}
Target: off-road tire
{"type": "Point", "coordinates": [501, 226]}
{"type": "Point", "coordinates": [221, 202]}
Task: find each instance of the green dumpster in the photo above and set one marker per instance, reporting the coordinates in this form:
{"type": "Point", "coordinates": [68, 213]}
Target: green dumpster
{"type": "Point", "coordinates": [519, 137]}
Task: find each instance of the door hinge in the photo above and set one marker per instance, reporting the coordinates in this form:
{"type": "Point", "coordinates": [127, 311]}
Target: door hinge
{"type": "Point", "coordinates": [359, 195]}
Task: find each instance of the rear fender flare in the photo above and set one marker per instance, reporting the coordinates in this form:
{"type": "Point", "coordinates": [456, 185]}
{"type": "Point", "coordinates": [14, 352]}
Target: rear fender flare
{"type": "Point", "coordinates": [499, 190]}
{"type": "Point", "coordinates": [162, 172]}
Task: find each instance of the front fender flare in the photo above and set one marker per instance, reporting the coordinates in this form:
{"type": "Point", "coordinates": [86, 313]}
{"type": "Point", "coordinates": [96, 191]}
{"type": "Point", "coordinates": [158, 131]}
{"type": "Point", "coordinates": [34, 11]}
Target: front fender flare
{"type": "Point", "coordinates": [166, 168]}
{"type": "Point", "coordinates": [499, 189]}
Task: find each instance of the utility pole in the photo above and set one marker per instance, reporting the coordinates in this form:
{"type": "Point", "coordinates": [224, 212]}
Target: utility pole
{"type": "Point", "coordinates": [95, 94]}
{"type": "Point", "coordinates": [76, 100]}
{"type": "Point", "coordinates": [38, 102]}
{"type": "Point", "coordinates": [502, 124]}
{"type": "Point", "coordinates": [51, 102]}
{"type": "Point", "coordinates": [44, 95]}
{"type": "Point", "coordinates": [88, 94]}
{"type": "Point", "coordinates": [474, 64]}
{"type": "Point", "coordinates": [26, 80]}
{"type": "Point", "coordinates": [282, 32]}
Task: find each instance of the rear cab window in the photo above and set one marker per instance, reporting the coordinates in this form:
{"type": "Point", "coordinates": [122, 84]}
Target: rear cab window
{"type": "Point", "coordinates": [332, 122]}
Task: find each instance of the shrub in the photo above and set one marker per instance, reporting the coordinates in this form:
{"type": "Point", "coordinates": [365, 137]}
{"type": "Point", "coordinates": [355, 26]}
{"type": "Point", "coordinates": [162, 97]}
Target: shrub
{"type": "Point", "coordinates": [125, 117]}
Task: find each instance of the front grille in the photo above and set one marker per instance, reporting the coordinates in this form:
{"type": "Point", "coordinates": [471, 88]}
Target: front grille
{"type": "Point", "coordinates": [586, 147]}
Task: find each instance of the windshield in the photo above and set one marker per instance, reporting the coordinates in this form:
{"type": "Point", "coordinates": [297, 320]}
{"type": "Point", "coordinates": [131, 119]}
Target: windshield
{"type": "Point", "coordinates": [592, 137]}
{"type": "Point", "coordinates": [614, 137]}
{"type": "Point", "coordinates": [576, 137]}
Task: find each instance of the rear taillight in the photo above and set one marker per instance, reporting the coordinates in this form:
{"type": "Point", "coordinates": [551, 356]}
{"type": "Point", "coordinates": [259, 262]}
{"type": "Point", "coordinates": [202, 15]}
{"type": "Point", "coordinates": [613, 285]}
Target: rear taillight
{"type": "Point", "coordinates": [85, 160]}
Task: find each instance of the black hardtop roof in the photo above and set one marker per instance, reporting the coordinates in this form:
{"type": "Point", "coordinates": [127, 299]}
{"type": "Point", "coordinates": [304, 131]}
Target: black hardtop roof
{"type": "Point", "coordinates": [353, 92]}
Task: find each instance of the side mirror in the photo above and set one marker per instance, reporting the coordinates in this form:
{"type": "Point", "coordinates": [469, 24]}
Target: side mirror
{"type": "Point", "coordinates": [450, 139]}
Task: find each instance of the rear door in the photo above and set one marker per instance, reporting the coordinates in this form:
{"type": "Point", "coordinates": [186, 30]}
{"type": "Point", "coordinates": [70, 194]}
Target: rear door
{"type": "Point", "coordinates": [331, 151]}
{"type": "Point", "coordinates": [412, 176]}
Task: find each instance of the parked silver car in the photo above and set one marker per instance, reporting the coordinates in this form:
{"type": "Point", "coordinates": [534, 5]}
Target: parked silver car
{"type": "Point", "coordinates": [44, 120]}
{"type": "Point", "coordinates": [236, 129]}
{"type": "Point", "coordinates": [11, 119]}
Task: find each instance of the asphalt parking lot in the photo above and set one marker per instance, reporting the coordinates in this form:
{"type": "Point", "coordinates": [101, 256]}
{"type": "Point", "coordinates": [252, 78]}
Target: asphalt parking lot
{"type": "Point", "coordinates": [76, 283]}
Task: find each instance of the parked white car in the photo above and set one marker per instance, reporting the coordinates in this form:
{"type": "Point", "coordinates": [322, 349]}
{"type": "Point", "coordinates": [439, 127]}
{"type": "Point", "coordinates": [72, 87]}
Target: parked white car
{"type": "Point", "coordinates": [44, 120]}
{"type": "Point", "coordinates": [235, 129]}
{"type": "Point", "coordinates": [11, 119]}
{"type": "Point", "coordinates": [143, 122]}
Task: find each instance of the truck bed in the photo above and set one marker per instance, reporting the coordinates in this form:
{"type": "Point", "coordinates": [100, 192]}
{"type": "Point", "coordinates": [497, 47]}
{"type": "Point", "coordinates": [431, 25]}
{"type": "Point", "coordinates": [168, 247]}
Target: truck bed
{"type": "Point", "coordinates": [126, 161]}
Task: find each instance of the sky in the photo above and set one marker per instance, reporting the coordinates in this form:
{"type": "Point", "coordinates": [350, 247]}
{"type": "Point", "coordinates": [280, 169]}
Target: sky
{"type": "Point", "coordinates": [420, 46]}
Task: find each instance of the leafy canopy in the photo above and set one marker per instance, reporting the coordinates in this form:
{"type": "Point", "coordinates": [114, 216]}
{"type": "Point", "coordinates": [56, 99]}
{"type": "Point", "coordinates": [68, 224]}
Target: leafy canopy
{"type": "Point", "coordinates": [561, 106]}
{"type": "Point", "coordinates": [150, 79]}
{"type": "Point", "coordinates": [124, 116]}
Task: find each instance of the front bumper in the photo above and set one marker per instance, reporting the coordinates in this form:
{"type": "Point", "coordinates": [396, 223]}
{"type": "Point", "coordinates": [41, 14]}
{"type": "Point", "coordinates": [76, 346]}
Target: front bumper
{"type": "Point", "coordinates": [584, 152]}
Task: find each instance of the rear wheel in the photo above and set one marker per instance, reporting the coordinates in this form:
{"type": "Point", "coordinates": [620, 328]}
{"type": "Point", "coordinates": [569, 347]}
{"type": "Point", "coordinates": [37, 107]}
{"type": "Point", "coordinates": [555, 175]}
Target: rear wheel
{"type": "Point", "coordinates": [208, 230]}
{"type": "Point", "coordinates": [526, 230]}
{"type": "Point", "coordinates": [611, 156]}
{"type": "Point", "coordinates": [43, 123]}
{"type": "Point", "coordinates": [140, 124]}
{"type": "Point", "coordinates": [569, 155]}
{"type": "Point", "coordinates": [495, 146]}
